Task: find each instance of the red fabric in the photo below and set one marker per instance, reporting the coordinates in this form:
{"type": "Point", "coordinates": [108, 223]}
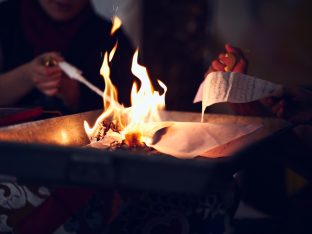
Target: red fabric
{"type": "Point", "coordinates": [61, 205]}
{"type": "Point", "coordinates": [43, 33]}
{"type": "Point", "coordinates": [20, 116]}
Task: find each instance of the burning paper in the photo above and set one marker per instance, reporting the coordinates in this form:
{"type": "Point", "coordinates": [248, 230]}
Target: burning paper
{"type": "Point", "coordinates": [232, 87]}
{"type": "Point", "coordinates": [182, 139]}
{"type": "Point", "coordinates": [140, 125]}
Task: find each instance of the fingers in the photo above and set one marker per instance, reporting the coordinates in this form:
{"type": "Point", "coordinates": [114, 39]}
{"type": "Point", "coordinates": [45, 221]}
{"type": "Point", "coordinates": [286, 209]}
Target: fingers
{"type": "Point", "coordinates": [55, 56]}
{"type": "Point", "coordinates": [226, 59]}
{"type": "Point", "coordinates": [217, 65]}
{"type": "Point", "coordinates": [231, 61]}
{"type": "Point", "coordinates": [50, 86]}
{"type": "Point", "coordinates": [43, 80]}
{"type": "Point", "coordinates": [46, 76]}
{"type": "Point", "coordinates": [47, 72]}
{"type": "Point", "coordinates": [240, 66]}
{"type": "Point", "coordinates": [53, 84]}
{"type": "Point", "coordinates": [240, 63]}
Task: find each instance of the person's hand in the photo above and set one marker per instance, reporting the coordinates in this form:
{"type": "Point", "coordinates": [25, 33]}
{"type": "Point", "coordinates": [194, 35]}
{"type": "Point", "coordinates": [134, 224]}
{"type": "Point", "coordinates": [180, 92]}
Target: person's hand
{"type": "Point", "coordinates": [233, 60]}
{"type": "Point", "coordinates": [292, 104]}
{"type": "Point", "coordinates": [44, 77]}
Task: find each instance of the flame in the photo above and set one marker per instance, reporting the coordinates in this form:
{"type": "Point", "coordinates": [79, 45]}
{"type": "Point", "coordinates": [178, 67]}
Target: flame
{"type": "Point", "coordinates": [112, 108]}
{"type": "Point", "coordinates": [145, 105]}
{"type": "Point", "coordinates": [116, 24]}
{"type": "Point", "coordinates": [112, 53]}
{"type": "Point", "coordinates": [145, 102]}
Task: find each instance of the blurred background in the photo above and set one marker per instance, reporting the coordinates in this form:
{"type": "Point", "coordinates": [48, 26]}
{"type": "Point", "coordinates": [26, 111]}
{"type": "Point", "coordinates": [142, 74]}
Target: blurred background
{"type": "Point", "coordinates": [178, 39]}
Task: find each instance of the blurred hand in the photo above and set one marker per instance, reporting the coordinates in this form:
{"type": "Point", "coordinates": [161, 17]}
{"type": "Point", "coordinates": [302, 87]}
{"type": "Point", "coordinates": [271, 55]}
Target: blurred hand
{"type": "Point", "coordinates": [233, 60]}
{"type": "Point", "coordinates": [45, 78]}
{"type": "Point", "coordinates": [292, 104]}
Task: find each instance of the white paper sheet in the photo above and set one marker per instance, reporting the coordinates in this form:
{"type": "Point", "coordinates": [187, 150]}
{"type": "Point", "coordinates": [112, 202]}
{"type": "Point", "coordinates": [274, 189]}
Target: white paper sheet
{"type": "Point", "coordinates": [189, 139]}
{"type": "Point", "coordinates": [232, 87]}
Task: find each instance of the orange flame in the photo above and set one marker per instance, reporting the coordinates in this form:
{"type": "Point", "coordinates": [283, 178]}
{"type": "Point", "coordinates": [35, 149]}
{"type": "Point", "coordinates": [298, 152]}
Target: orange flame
{"type": "Point", "coordinates": [116, 24]}
{"type": "Point", "coordinates": [112, 53]}
{"type": "Point", "coordinates": [145, 102]}
{"type": "Point", "coordinates": [112, 108]}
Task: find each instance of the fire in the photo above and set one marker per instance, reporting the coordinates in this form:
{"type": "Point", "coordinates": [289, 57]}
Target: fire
{"type": "Point", "coordinates": [145, 104]}
{"type": "Point", "coordinates": [112, 109]}
{"type": "Point", "coordinates": [116, 24]}
{"type": "Point", "coordinates": [112, 53]}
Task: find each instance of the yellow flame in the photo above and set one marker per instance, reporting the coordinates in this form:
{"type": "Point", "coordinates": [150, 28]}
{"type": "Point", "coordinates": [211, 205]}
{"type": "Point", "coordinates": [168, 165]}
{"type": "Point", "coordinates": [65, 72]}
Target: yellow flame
{"type": "Point", "coordinates": [112, 53]}
{"type": "Point", "coordinates": [116, 24]}
{"type": "Point", "coordinates": [112, 108]}
{"type": "Point", "coordinates": [145, 103]}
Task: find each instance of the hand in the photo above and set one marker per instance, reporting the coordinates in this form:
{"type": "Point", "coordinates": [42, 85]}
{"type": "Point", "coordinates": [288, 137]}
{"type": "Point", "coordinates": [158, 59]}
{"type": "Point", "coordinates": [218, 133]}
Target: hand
{"type": "Point", "coordinates": [231, 61]}
{"type": "Point", "coordinates": [45, 78]}
{"type": "Point", "coordinates": [234, 61]}
{"type": "Point", "coordinates": [292, 104]}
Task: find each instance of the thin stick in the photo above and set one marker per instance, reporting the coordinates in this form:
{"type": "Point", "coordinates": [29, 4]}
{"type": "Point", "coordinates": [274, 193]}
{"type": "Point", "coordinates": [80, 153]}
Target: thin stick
{"type": "Point", "coordinates": [75, 74]}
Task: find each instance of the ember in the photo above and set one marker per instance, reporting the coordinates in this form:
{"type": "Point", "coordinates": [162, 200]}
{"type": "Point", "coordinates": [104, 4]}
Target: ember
{"type": "Point", "coordinates": [109, 137]}
{"type": "Point", "coordinates": [134, 140]}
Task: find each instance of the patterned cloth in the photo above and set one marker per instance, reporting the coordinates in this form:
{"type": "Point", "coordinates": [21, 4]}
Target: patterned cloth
{"type": "Point", "coordinates": [18, 201]}
{"type": "Point", "coordinates": [154, 213]}
{"type": "Point", "coordinates": [119, 213]}
{"type": "Point", "coordinates": [171, 214]}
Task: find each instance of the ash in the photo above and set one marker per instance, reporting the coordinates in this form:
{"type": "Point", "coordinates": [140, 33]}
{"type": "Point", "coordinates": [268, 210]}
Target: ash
{"type": "Point", "coordinates": [109, 138]}
{"type": "Point", "coordinates": [105, 128]}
